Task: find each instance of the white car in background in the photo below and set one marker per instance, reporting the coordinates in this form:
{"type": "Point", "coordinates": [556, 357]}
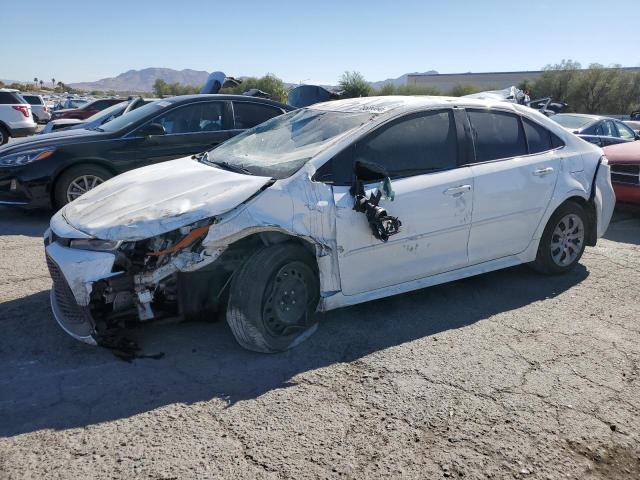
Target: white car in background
{"type": "Point", "coordinates": [15, 116]}
{"type": "Point", "coordinates": [327, 206]}
{"type": "Point", "coordinates": [40, 111]}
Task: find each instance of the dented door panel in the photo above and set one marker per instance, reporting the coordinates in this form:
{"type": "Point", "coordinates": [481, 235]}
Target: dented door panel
{"type": "Point", "coordinates": [435, 211]}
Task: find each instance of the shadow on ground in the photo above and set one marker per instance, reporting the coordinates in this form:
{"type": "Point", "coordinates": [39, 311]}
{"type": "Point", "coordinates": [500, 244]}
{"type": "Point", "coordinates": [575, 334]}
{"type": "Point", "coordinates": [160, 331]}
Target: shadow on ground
{"type": "Point", "coordinates": [17, 221]}
{"type": "Point", "coordinates": [624, 226]}
{"type": "Point", "coordinates": [48, 380]}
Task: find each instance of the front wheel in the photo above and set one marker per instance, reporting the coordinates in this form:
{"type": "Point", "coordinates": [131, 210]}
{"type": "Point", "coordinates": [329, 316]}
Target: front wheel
{"type": "Point", "coordinates": [563, 241]}
{"type": "Point", "coordinates": [4, 136]}
{"type": "Point", "coordinates": [273, 298]}
{"type": "Point", "coordinates": [77, 181]}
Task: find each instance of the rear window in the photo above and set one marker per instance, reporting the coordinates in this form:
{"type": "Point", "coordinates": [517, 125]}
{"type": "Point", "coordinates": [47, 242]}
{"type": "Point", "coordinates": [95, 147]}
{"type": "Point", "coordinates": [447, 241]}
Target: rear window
{"type": "Point", "coordinates": [575, 122]}
{"type": "Point", "coordinates": [248, 115]}
{"type": "Point", "coordinates": [10, 98]}
{"type": "Point", "coordinates": [32, 99]}
{"type": "Point", "coordinates": [496, 135]}
{"type": "Point", "coordinates": [538, 137]}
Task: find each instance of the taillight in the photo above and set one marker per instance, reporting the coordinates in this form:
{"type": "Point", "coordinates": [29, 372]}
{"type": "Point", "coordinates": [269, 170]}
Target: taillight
{"type": "Point", "coordinates": [23, 109]}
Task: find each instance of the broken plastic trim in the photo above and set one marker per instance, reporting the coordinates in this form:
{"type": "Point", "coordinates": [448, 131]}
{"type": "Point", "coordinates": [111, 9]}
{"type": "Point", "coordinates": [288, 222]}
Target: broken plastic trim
{"type": "Point", "coordinates": [382, 225]}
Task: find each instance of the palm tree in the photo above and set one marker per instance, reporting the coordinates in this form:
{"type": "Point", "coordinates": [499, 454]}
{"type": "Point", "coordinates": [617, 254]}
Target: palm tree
{"type": "Point", "coordinates": [41, 83]}
{"type": "Point", "coordinates": [53, 82]}
{"type": "Point", "coordinates": [35, 79]}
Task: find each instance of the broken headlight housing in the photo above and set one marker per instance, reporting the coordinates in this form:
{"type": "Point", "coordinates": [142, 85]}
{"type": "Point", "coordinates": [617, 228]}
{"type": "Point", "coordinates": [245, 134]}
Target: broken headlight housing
{"type": "Point", "coordinates": [22, 158]}
{"type": "Point", "coordinates": [95, 244]}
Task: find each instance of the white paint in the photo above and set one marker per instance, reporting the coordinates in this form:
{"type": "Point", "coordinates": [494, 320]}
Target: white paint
{"type": "Point", "coordinates": [152, 200]}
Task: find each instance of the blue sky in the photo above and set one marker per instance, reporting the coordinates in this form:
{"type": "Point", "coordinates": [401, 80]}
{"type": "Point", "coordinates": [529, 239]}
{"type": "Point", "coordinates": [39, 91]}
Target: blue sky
{"type": "Point", "coordinates": [313, 42]}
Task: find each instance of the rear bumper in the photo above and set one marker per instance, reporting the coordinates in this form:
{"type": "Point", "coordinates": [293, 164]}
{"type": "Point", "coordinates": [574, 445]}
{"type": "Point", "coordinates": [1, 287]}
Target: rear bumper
{"type": "Point", "coordinates": [604, 198]}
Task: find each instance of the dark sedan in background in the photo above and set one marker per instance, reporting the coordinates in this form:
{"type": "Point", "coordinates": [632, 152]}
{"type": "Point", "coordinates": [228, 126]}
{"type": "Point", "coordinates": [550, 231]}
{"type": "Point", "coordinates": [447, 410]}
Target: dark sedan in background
{"type": "Point", "coordinates": [54, 169]}
{"type": "Point", "coordinates": [86, 110]}
{"type": "Point", "coordinates": [596, 129]}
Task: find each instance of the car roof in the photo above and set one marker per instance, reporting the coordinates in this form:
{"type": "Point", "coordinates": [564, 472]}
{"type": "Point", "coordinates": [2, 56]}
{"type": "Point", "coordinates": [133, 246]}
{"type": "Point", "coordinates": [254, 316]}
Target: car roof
{"type": "Point", "coordinates": [628, 152]}
{"type": "Point", "coordinates": [584, 115]}
{"type": "Point", "coordinates": [400, 103]}
{"type": "Point", "coordinates": [218, 96]}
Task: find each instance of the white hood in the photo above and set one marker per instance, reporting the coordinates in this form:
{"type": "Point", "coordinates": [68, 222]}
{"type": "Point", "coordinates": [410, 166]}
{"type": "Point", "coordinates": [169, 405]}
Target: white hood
{"type": "Point", "coordinates": [159, 198]}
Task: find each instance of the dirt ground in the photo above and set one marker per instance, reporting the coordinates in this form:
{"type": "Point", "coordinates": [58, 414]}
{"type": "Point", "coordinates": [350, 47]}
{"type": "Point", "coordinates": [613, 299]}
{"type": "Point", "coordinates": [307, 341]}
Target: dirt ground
{"type": "Point", "coordinates": [505, 375]}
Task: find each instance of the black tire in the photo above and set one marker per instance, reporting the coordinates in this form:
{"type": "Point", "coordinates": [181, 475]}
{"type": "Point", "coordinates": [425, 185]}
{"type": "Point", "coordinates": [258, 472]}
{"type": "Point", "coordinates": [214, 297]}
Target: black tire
{"type": "Point", "coordinates": [262, 311]}
{"type": "Point", "coordinates": [65, 180]}
{"type": "Point", "coordinates": [4, 135]}
{"type": "Point", "coordinates": [544, 262]}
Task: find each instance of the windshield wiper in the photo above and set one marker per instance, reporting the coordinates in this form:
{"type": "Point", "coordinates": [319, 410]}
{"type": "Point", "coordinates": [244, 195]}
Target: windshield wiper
{"type": "Point", "coordinates": [224, 165]}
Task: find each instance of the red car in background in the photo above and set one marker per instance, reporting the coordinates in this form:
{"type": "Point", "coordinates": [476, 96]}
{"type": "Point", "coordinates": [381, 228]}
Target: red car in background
{"type": "Point", "coordinates": [624, 159]}
{"type": "Point", "coordinates": [86, 110]}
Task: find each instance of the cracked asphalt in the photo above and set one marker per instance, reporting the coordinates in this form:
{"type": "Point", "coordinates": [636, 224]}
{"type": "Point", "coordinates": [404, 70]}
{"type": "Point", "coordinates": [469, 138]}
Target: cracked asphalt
{"type": "Point", "coordinates": [504, 375]}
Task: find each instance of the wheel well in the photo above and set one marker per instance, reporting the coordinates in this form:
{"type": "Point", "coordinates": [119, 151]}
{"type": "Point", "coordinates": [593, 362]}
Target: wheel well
{"type": "Point", "coordinates": [591, 234]}
{"type": "Point", "coordinates": [5, 127]}
{"type": "Point", "coordinates": [207, 288]}
{"type": "Point", "coordinates": [54, 183]}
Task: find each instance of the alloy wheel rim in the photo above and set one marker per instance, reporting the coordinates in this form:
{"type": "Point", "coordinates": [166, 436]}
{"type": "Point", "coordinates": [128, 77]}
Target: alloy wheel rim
{"type": "Point", "coordinates": [567, 240]}
{"type": "Point", "coordinates": [82, 185]}
{"type": "Point", "coordinates": [286, 306]}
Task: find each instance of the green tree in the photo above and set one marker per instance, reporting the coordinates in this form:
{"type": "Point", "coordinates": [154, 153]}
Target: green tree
{"type": "Point", "coordinates": [461, 89]}
{"type": "Point", "coordinates": [387, 89]}
{"type": "Point", "coordinates": [269, 84]}
{"type": "Point", "coordinates": [354, 85]}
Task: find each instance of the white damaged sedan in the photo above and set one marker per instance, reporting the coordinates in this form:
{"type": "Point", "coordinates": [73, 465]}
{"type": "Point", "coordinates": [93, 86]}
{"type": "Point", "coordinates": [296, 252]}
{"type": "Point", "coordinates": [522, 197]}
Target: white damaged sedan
{"type": "Point", "coordinates": [327, 206]}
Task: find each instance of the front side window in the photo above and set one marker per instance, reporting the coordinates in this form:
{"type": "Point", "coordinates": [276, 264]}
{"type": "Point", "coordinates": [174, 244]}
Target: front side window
{"type": "Point", "coordinates": [193, 118]}
{"type": "Point", "coordinates": [412, 146]}
{"type": "Point", "coordinates": [538, 137]}
{"type": "Point", "coordinates": [279, 147]}
{"type": "Point", "coordinates": [248, 115]}
{"type": "Point", "coordinates": [129, 118]}
{"type": "Point", "coordinates": [496, 135]}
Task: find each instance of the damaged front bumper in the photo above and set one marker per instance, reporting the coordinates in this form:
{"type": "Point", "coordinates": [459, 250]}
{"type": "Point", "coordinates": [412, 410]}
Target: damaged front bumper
{"type": "Point", "coordinates": [95, 291]}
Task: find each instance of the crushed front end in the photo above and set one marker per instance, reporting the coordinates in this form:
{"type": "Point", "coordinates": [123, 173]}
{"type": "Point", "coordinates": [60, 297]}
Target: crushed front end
{"type": "Point", "coordinates": [100, 286]}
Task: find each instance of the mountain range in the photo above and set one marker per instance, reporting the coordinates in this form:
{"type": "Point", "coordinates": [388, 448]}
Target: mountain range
{"type": "Point", "coordinates": [143, 80]}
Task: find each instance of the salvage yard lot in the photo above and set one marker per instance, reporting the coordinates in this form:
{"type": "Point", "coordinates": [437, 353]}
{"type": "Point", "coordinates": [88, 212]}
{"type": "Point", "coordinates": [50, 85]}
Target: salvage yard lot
{"type": "Point", "coordinates": [504, 375]}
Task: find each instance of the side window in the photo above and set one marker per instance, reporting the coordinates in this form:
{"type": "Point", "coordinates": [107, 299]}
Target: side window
{"type": "Point", "coordinates": [496, 135]}
{"type": "Point", "coordinates": [538, 137]}
{"type": "Point", "coordinates": [193, 118]}
{"type": "Point", "coordinates": [624, 131]}
{"type": "Point", "coordinates": [608, 128]}
{"type": "Point", "coordinates": [414, 145]}
{"type": "Point", "coordinates": [248, 115]}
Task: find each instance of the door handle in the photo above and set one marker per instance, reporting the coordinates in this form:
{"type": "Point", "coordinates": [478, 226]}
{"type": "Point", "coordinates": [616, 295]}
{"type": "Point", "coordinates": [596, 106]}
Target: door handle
{"type": "Point", "coordinates": [457, 190]}
{"type": "Point", "coordinates": [541, 172]}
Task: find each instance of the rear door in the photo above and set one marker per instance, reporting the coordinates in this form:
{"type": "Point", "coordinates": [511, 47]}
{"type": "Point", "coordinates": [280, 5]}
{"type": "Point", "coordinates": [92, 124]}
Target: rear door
{"type": "Point", "coordinates": [433, 200]}
{"type": "Point", "coordinates": [514, 177]}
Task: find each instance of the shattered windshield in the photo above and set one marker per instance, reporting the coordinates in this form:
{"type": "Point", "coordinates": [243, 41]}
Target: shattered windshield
{"type": "Point", "coordinates": [280, 146]}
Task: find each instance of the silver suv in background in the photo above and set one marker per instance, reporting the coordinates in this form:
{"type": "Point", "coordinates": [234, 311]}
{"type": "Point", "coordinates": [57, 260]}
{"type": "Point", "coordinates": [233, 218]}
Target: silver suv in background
{"type": "Point", "coordinates": [39, 110]}
{"type": "Point", "coordinates": [15, 116]}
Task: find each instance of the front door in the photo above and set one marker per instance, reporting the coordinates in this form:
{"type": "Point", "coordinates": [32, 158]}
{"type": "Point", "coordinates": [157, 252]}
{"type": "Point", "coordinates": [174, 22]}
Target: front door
{"type": "Point", "coordinates": [432, 199]}
{"type": "Point", "coordinates": [189, 129]}
{"type": "Point", "coordinates": [514, 178]}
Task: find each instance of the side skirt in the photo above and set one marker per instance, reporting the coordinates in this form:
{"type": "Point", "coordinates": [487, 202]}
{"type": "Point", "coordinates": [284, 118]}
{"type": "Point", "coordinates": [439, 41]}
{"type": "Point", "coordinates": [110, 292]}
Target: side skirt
{"type": "Point", "coordinates": [340, 300]}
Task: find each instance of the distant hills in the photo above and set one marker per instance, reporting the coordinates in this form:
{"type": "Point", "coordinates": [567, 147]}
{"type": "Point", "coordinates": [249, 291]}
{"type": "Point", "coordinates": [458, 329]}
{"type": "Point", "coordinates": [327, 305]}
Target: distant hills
{"type": "Point", "coordinates": [143, 80]}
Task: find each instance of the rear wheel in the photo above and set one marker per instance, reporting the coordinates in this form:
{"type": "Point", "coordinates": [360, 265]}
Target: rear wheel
{"type": "Point", "coordinates": [273, 298]}
{"type": "Point", "coordinates": [4, 135]}
{"type": "Point", "coordinates": [563, 240]}
{"type": "Point", "coordinates": [77, 181]}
